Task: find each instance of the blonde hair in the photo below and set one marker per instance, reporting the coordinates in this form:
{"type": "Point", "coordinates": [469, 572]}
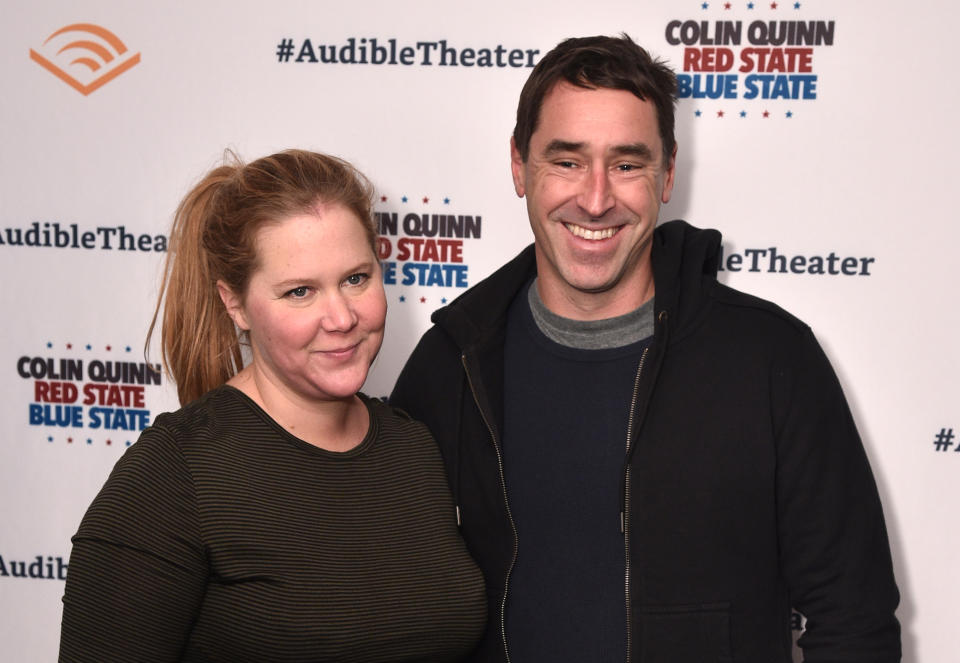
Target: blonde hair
{"type": "Point", "coordinates": [213, 239]}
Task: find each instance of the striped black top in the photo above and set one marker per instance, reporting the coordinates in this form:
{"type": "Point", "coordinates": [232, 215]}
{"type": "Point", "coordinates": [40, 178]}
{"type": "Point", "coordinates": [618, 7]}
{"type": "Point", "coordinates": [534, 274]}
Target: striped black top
{"type": "Point", "coordinates": [221, 537]}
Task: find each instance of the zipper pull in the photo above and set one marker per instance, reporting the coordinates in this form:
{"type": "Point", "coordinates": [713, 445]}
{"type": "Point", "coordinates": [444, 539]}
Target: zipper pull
{"type": "Point", "coordinates": [621, 523]}
{"type": "Point", "coordinates": [459, 522]}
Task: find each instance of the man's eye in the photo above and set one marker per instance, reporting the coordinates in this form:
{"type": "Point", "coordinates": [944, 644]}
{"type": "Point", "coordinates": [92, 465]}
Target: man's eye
{"type": "Point", "coordinates": [298, 292]}
{"type": "Point", "coordinates": [566, 164]}
{"type": "Point", "coordinates": [627, 167]}
{"type": "Point", "coordinates": [356, 279]}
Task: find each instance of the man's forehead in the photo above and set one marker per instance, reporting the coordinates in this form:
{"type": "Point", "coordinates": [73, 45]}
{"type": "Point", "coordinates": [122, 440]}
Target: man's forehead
{"type": "Point", "coordinates": [574, 118]}
{"type": "Point", "coordinates": [573, 101]}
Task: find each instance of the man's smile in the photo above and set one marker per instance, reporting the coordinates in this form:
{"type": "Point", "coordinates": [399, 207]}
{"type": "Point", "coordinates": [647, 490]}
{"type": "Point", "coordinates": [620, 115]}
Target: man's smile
{"type": "Point", "coordinates": [586, 233]}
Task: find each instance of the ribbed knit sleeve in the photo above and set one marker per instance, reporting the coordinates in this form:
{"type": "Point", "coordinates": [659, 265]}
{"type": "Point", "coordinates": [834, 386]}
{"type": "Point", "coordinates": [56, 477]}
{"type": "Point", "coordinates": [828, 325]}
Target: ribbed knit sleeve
{"type": "Point", "coordinates": [137, 572]}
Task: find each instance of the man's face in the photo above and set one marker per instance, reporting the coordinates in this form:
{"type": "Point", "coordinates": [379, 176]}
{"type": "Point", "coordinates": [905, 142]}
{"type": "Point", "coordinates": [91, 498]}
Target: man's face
{"type": "Point", "coordinates": [594, 180]}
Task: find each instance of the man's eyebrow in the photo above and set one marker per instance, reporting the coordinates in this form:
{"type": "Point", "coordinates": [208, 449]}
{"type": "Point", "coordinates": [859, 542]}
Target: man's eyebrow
{"type": "Point", "coordinates": [558, 145]}
{"type": "Point", "coordinates": [640, 150]}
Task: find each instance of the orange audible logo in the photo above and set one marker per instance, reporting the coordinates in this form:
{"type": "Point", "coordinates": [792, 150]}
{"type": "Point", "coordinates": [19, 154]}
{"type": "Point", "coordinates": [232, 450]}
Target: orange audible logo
{"type": "Point", "coordinates": [85, 56]}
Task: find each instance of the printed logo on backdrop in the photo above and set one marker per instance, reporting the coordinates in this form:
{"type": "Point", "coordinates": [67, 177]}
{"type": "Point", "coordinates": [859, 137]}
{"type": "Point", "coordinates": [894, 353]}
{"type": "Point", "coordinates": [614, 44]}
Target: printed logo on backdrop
{"type": "Point", "coordinates": [58, 235]}
{"type": "Point", "coordinates": [87, 395]}
{"type": "Point", "coordinates": [39, 567]}
{"type": "Point", "coordinates": [776, 260]}
{"type": "Point", "coordinates": [391, 51]}
{"type": "Point", "coordinates": [945, 440]}
{"type": "Point", "coordinates": [749, 60]}
{"type": "Point", "coordinates": [84, 56]}
{"type": "Point", "coordinates": [421, 248]}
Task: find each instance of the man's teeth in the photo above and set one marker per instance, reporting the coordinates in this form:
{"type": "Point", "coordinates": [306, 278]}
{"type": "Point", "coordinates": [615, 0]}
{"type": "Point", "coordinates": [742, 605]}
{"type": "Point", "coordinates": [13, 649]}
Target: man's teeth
{"type": "Point", "coordinates": [585, 233]}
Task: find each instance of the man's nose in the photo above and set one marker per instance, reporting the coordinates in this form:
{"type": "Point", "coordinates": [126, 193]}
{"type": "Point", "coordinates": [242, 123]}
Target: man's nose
{"type": "Point", "coordinates": [596, 197]}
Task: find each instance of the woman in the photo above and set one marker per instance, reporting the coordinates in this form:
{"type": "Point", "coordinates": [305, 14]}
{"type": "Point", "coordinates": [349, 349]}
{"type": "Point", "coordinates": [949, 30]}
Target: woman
{"type": "Point", "coordinates": [279, 515]}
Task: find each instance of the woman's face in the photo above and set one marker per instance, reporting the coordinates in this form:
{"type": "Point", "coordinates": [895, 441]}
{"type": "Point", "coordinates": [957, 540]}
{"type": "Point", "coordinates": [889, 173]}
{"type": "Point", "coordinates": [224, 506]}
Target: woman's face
{"type": "Point", "coordinates": [315, 306]}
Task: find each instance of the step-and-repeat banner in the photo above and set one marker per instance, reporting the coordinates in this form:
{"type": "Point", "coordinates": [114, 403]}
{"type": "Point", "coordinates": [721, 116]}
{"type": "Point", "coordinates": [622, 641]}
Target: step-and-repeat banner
{"type": "Point", "coordinates": [820, 137]}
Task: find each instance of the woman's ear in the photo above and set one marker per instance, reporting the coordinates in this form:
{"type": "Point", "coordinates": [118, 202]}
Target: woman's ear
{"type": "Point", "coordinates": [234, 305]}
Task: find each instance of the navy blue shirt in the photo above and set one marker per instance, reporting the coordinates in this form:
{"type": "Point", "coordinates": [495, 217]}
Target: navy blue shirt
{"type": "Point", "coordinates": [565, 433]}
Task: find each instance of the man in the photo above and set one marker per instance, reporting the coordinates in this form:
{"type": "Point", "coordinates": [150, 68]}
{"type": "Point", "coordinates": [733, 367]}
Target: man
{"type": "Point", "coordinates": [647, 464]}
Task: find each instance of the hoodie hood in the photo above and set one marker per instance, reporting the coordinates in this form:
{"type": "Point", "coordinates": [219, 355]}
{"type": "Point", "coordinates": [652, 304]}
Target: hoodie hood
{"type": "Point", "coordinates": [685, 262]}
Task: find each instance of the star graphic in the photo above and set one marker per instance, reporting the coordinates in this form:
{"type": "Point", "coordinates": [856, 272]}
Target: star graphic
{"type": "Point", "coordinates": [726, 5]}
{"type": "Point", "coordinates": [108, 348]}
{"type": "Point", "coordinates": [423, 300]}
{"type": "Point", "coordinates": [446, 201]}
{"type": "Point", "coordinates": [127, 443]}
{"type": "Point", "coordinates": [443, 300]}
{"type": "Point", "coordinates": [402, 298]}
{"type": "Point", "coordinates": [743, 113]}
{"type": "Point", "coordinates": [89, 441]}
{"type": "Point", "coordinates": [109, 442]}
{"type": "Point", "coordinates": [796, 5]}
{"type": "Point", "coordinates": [789, 114]}
{"type": "Point", "coordinates": [705, 5]}
{"type": "Point", "coordinates": [49, 344]}
{"type": "Point", "coordinates": [749, 5]}
{"type": "Point", "coordinates": [69, 440]}
{"type": "Point", "coordinates": [773, 5]}
{"type": "Point", "coordinates": [698, 112]}
{"type": "Point", "coordinates": [89, 347]}
{"type": "Point", "coordinates": [403, 200]}
{"type": "Point", "coordinates": [127, 348]}
{"type": "Point", "coordinates": [69, 346]}
{"type": "Point", "coordinates": [383, 199]}
{"type": "Point", "coordinates": [766, 113]}
{"type": "Point", "coordinates": [425, 200]}
{"type": "Point", "coordinates": [49, 438]}
{"type": "Point", "coordinates": [719, 113]}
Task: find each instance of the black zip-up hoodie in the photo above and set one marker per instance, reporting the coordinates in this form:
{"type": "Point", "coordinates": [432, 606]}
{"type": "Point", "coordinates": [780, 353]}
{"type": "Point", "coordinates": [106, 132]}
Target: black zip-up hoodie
{"type": "Point", "coordinates": [746, 489]}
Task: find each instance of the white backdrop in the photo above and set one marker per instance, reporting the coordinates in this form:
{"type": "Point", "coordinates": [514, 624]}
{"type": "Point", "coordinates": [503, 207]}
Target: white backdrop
{"type": "Point", "coordinates": [848, 151]}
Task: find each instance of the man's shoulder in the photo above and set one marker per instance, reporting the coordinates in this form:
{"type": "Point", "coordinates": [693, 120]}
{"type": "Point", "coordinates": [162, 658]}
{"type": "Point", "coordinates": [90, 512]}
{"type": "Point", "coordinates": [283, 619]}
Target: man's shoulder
{"type": "Point", "coordinates": [474, 321]}
{"type": "Point", "coordinates": [750, 328]}
{"type": "Point", "coordinates": [737, 302]}
{"type": "Point", "coordinates": [484, 305]}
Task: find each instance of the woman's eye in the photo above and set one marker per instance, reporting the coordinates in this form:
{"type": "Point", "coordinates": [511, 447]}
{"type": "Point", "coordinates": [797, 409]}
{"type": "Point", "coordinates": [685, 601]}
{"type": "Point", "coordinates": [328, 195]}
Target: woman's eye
{"type": "Point", "coordinates": [356, 279]}
{"type": "Point", "coordinates": [298, 292]}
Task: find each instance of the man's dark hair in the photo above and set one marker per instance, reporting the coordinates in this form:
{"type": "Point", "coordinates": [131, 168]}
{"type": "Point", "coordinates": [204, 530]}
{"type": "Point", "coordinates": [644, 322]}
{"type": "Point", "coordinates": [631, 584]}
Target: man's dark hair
{"type": "Point", "coordinates": [599, 62]}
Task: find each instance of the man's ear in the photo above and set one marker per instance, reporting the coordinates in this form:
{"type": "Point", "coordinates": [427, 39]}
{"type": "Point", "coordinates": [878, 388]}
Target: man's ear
{"type": "Point", "coordinates": [516, 167]}
{"type": "Point", "coordinates": [234, 305]}
{"type": "Point", "coordinates": [668, 174]}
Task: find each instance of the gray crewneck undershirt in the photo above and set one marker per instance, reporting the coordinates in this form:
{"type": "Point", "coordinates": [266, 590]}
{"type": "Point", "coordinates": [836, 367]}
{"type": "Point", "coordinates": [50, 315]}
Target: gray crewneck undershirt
{"type": "Point", "coordinates": [591, 334]}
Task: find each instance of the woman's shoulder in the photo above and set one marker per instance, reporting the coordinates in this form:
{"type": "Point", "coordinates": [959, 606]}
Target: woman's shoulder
{"type": "Point", "coordinates": [221, 408]}
{"type": "Point", "coordinates": [393, 419]}
{"type": "Point", "coordinates": [397, 432]}
{"type": "Point", "coordinates": [200, 429]}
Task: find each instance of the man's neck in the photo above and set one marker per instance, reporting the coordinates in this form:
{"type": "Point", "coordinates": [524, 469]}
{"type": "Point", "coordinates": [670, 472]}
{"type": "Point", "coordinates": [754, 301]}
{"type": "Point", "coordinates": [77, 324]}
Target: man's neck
{"type": "Point", "coordinates": [615, 332]}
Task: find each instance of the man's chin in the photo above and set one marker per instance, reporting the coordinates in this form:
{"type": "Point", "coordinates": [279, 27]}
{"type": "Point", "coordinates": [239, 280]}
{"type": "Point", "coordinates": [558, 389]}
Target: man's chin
{"type": "Point", "coordinates": [592, 283]}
